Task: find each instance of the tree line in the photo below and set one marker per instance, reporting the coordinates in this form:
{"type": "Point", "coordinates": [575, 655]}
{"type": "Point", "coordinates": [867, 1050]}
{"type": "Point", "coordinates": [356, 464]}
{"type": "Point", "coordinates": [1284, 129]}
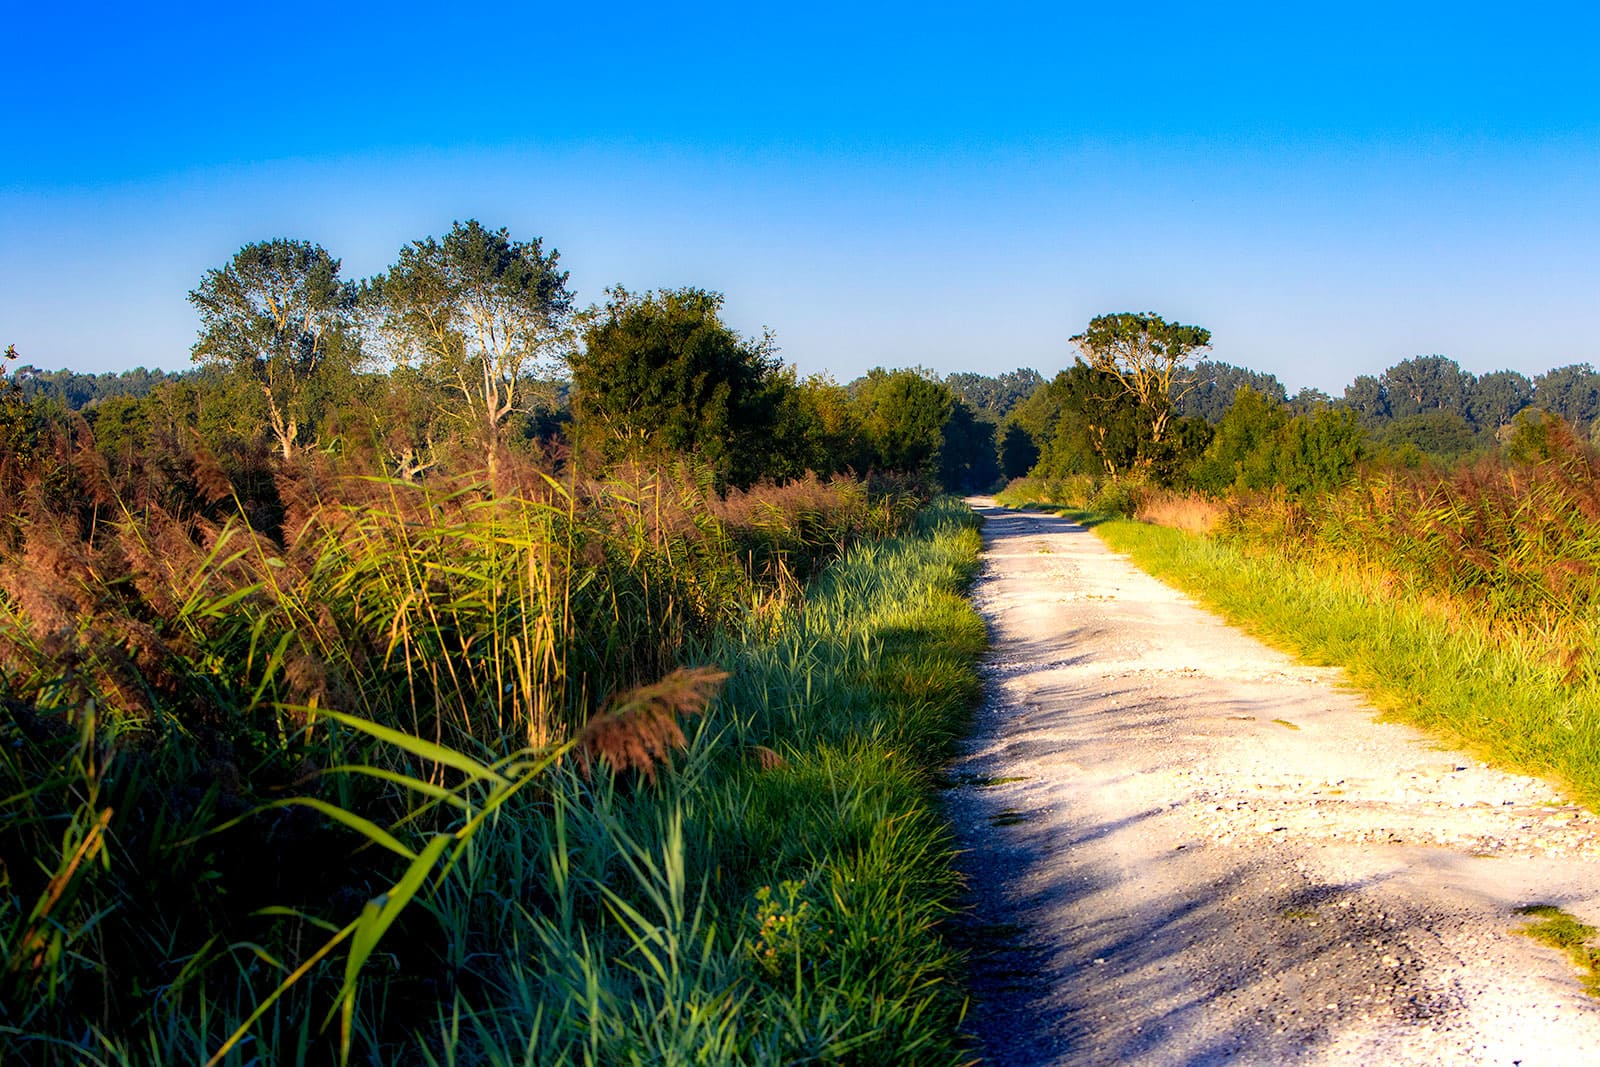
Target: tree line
{"type": "Point", "coordinates": [473, 343]}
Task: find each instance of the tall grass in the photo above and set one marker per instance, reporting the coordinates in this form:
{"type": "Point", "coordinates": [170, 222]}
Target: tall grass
{"type": "Point", "coordinates": [315, 767]}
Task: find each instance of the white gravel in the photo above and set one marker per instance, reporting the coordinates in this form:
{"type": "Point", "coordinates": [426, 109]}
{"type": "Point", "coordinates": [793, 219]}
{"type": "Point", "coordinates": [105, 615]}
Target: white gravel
{"type": "Point", "coordinates": [1186, 848]}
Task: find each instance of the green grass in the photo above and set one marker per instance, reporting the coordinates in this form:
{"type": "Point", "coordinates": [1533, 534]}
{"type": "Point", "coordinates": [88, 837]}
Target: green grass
{"type": "Point", "coordinates": [776, 895]}
{"type": "Point", "coordinates": [1558, 929]}
{"type": "Point", "coordinates": [1493, 694]}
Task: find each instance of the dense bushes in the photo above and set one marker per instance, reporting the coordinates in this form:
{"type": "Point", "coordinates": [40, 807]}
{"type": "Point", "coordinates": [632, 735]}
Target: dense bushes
{"type": "Point", "coordinates": [181, 801]}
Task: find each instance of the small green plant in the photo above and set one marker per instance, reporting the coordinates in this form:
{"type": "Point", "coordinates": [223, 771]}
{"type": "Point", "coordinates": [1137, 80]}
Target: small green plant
{"type": "Point", "coordinates": [1559, 929]}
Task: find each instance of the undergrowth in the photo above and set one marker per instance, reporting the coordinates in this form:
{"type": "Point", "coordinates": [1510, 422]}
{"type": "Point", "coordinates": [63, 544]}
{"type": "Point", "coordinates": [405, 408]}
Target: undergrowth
{"type": "Point", "coordinates": [314, 766]}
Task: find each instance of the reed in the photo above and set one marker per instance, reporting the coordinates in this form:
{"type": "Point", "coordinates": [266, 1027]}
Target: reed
{"type": "Point", "coordinates": [329, 763]}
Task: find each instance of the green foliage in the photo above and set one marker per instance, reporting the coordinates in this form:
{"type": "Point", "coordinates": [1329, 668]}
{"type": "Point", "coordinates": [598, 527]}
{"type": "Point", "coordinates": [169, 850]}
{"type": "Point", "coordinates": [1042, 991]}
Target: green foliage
{"type": "Point", "coordinates": [1572, 392]}
{"type": "Point", "coordinates": [20, 423]}
{"type": "Point", "coordinates": [661, 375]}
{"type": "Point", "coordinates": [968, 461]}
{"type": "Point", "coordinates": [1259, 445]}
{"type": "Point", "coordinates": [1443, 436]}
{"type": "Point", "coordinates": [1427, 384]}
{"type": "Point", "coordinates": [1146, 355]}
{"type": "Point", "coordinates": [993, 397]}
{"type": "Point", "coordinates": [1018, 453]}
{"type": "Point", "coordinates": [1498, 397]}
{"type": "Point", "coordinates": [278, 316]}
{"type": "Point", "coordinates": [1212, 385]}
{"type": "Point", "coordinates": [475, 313]}
{"type": "Point", "coordinates": [903, 415]}
{"type": "Point", "coordinates": [74, 391]}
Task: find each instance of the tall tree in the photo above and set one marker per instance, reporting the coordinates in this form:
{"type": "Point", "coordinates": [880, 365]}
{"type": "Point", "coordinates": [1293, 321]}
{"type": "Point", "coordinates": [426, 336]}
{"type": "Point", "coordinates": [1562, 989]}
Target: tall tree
{"type": "Point", "coordinates": [1147, 355]}
{"type": "Point", "coordinates": [479, 313]}
{"type": "Point", "coordinates": [1214, 384]}
{"type": "Point", "coordinates": [1572, 392]}
{"type": "Point", "coordinates": [278, 316]}
{"type": "Point", "coordinates": [1368, 398]}
{"type": "Point", "coordinates": [1427, 383]}
{"type": "Point", "coordinates": [660, 373]}
{"type": "Point", "coordinates": [1497, 397]}
{"type": "Point", "coordinates": [903, 415]}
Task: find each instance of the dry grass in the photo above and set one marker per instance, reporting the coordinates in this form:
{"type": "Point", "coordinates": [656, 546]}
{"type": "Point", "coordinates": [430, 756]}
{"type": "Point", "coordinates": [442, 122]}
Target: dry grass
{"type": "Point", "coordinates": [1189, 512]}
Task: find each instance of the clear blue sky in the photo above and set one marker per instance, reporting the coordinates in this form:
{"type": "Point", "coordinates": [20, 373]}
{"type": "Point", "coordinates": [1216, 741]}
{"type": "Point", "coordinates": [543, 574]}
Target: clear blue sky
{"type": "Point", "coordinates": [1328, 189]}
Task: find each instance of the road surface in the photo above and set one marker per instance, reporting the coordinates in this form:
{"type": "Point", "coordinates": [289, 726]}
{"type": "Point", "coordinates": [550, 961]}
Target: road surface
{"type": "Point", "coordinates": [1185, 848]}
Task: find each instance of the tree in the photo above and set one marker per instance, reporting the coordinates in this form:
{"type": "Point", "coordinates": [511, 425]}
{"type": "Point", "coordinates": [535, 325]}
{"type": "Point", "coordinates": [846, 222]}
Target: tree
{"type": "Point", "coordinates": [660, 373]}
{"type": "Point", "coordinates": [1572, 392]}
{"type": "Point", "coordinates": [967, 459]}
{"type": "Point", "coordinates": [278, 316]}
{"type": "Point", "coordinates": [1240, 453]}
{"type": "Point", "coordinates": [1146, 354]}
{"type": "Point", "coordinates": [1214, 385]}
{"type": "Point", "coordinates": [1497, 397]}
{"type": "Point", "coordinates": [1368, 398]}
{"type": "Point", "coordinates": [1426, 383]}
{"type": "Point", "coordinates": [903, 414]}
{"type": "Point", "coordinates": [994, 397]}
{"type": "Point", "coordinates": [1096, 424]}
{"type": "Point", "coordinates": [479, 313]}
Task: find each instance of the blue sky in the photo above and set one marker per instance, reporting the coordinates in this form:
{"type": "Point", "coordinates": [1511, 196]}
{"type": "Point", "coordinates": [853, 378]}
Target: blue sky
{"type": "Point", "coordinates": [1329, 190]}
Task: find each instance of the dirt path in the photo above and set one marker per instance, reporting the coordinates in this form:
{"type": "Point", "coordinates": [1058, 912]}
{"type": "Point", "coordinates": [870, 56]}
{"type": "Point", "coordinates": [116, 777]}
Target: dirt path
{"type": "Point", "coordinates": [1209, 853]}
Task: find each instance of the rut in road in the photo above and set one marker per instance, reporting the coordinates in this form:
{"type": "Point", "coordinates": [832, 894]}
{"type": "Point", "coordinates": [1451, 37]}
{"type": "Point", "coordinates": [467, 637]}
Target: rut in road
{"type": "Point", "coordinates": [1185, 848]}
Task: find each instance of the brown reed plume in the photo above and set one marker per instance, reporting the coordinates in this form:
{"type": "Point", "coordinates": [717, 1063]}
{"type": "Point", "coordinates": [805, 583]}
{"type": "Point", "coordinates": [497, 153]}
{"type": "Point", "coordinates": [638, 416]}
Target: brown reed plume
{"type": "Point", "coordinates": [639, 729]}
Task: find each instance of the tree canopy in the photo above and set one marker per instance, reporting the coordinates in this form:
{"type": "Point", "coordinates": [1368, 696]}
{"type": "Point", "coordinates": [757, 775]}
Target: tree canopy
{"type": "Point", "coordinates": [660, 373]}
{"type": "Point", "coordinates": [477, 312]}
{"type": "Point", "coordinates": [1146, 354]}
{"type": "Point", "coordinates": [278, 315]}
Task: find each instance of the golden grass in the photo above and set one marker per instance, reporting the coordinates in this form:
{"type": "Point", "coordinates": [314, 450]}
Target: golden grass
{"type": "Point", "coordinates": [1189, 512]}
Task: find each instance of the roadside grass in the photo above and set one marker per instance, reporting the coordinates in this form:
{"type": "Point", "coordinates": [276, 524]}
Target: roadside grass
{"type": "Point", "coordinates": [1497, 693]}
{"type": "Point", "coordinates": [1556, 928]}
{"type": "Point", "coordinates": [776, 894]}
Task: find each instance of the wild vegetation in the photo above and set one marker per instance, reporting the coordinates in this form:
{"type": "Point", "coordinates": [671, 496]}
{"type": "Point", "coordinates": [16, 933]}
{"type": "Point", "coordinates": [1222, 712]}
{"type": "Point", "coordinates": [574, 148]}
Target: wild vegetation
{"type": "Point", "coordinates": [396, 688]}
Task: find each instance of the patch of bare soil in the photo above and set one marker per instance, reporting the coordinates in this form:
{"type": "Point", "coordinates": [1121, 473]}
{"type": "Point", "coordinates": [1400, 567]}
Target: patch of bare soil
{"type": "Point", "coordinates": [1186, 848]}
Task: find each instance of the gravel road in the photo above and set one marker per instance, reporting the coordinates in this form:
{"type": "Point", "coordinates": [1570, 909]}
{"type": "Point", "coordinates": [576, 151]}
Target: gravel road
{"type": "Point", "coordinates": [1186, 848]}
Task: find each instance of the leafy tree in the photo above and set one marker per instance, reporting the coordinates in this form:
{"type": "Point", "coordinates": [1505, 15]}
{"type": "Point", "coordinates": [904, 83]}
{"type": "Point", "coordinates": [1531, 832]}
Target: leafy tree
{"type": "Point", "coordinates": [1309, 401]}
{"type": "Point", "coordinates": [994, 397]}
{"type": "Point", "coordinates": [1240, 453]}
{"type": "Point", "coordinates": [1212, 385]}
{"type": "Point", "coordinates": [1426, 383]}
{"type": "Point", "coordinates": [661, 374]}
{"type": "Point", "coordinates": [278, 316]}
{"type": "Point", "coordinates": [1317, 452]}
{"type": "Point", "coordinates": [1099, 426]}
{"type": "Point", "coordinates": [1497, 397]}
{"type": "Point", "coordinates": [20, 425]}
{"type": "Point", "coordinates": [832, 435]}
{"type": "Point", "coordinates": [903, 414]}
{"type": "Point", "coordinates": [1146, 355]}
{"type": "Point", "coordinates": [1368, 398]}
{"type": "Point", "coordinates": [479, 313]}
{"type": "Point", "coordinates": [1439, 435]}
{"type": "Point", "coordinates": [74, 391]}
{"type": "Point", "coordinates": [1572, 392]}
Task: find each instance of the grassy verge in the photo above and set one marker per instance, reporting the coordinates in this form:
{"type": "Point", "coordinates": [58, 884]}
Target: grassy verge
{"type": "Point", "coordinates": [779, 896]}
{"type": "Point", "coordinates": [1486, 691]}
{"type": "Point", "coordinates": [1554, 927]}
{"type": "Point", "coordinates": [776, 895]}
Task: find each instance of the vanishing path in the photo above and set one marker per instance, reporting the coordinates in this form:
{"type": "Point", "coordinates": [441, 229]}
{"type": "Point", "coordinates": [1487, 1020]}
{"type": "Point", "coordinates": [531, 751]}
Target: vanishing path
{"type": "Point", "coordinates": [1210, 853]}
